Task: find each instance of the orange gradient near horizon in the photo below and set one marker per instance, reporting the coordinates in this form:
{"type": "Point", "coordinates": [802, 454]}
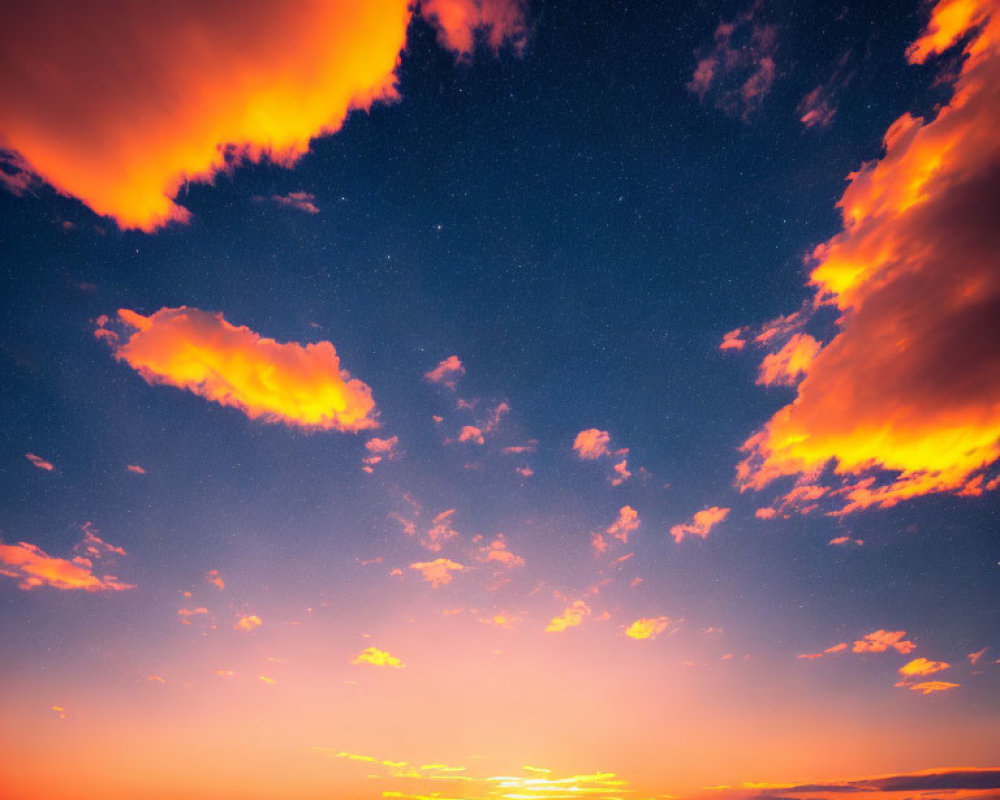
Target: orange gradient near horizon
{"type": "Point", "coordinates": [903, 400]}
{"type": "Point", "coordinates": [483, 701]}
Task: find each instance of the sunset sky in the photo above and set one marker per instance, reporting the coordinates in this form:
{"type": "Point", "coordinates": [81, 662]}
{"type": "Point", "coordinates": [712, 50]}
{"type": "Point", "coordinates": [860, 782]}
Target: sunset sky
{"type": "Point", "coordinates": [500, 400]}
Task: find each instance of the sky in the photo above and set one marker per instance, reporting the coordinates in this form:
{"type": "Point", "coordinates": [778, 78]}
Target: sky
{"type": "Point", "coordinates": [488, 399]}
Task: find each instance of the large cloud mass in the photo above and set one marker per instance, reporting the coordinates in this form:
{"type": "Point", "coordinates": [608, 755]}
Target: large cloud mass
{"type": "Point", "coordinates": [905, 398]}
{"type": "Point", "coordinates": [119, 104]}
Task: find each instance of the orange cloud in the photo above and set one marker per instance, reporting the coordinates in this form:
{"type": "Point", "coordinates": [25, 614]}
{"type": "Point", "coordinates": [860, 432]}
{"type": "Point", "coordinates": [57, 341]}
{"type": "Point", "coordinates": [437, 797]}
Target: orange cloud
{"type": "Point", "coordinates": [441, 530]}
{"type": "Point", "coordinates": [377, 658]}
{"type": "Point", "coordinates": [379, 450]}
{"type": "Point", "coordinates": [790, 362]}
{"type": "Point", "coordinates": [136, 469]}
{"type": "Point", "coordinates": [837, 648]}
{"type": "Point", "coordinates": [570, 618]}
{"type": "Point", "coordinates": [591, 444]}
{"type": "Point", "coordinates": [497, 551]}
{"type": "Point", "coordinates": [447, 372]}
{"type": "Point", "coordinates": [438, 572]}
{"type": "Point", "coordinates": [186, 614]}
{"type": "Point", "coordinates": [839, 540]}
{"type": "Point", "coordinates": [929, 687]}
{"type": "Point", "coordinates": [470, 433]}
{"type": "Point", "coordinates": [625, 523]}
{"type": "Point", "coordinates": [974, 657]}
{"type": "Point", "coordinates": [620, 473]}
{"type": "Point", "coordinates": [647, 627]}
{"type": "Point", "coordinates": [214, 578]}
{"type": "Point", "coordinates": [99, 103]}
{"type": "Point", "coordinates": [902, 401]}
{"type": "Point", "coordinates": [524, 472]}
{"type": "Point", "coordinates": [880, 641]}
{"type": "Point", "coordinates": [922, 666]}
{"type": "Point", "coordinates": [233, 366]}
{"type": "Point", "coordinates": [33, 567]}
{"type": "Point", "coordinates": [702, 522]}
{"type": "Point", "coordinates": [39, 462]}
{"type": "Point", "coordinates": [248, 623]}
{"type": "Point", "coordinates": [733, 340]}
{"type": "Point", "coordinates": [765, 513]}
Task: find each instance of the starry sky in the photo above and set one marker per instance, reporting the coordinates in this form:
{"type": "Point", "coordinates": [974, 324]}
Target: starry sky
{"type": "Point", "coordinates": [494, 399]}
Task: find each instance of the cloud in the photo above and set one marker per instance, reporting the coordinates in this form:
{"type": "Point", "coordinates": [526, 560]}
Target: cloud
{"type": "Point", "coordinates": [839, 540]}
{"type": "Point", "coordinates": [702, 522]}
{"type": "Point", "coordinates": [447, 372]}
{"type": "Point", "coordinates": [880, 641]}
{"type": "Point", "coordinates": [497, 551]}
{"type": "Point", "coordinates": [201, 352]}
{"type": "Point", "coordinates": [786, 366]}
{"type": "Point", "coordinates": [974, 657]}
{"type": "Point", "coordinates": [214, 578]}
{"type": "Point", "coordinates": [647, 627]}
{"type": "Point", "coordinates": [819, 106]}
{"type": "Point", "coordinates": [32, 567]}
{"type": "Point", "coordinates": [837, 648]}
{"type": "Point", "coordinates": [470, 433]}
{"type": "Point", "coordinates": [524, 472]}
{"type": "Point", "coordinates": [438, 572]}
{"type": "Point", "coordinates": [739, 69]}
{"type": "Point", "coordinates": [592, 444]}
{"type": "Point", "coordinates": [518, 449]}
{"type": "Point", "coordinates": [570, 618]}
{"type": "Point", "coordinates": [733, 341]}
{"type": "Point", "coordinates": [303, 201]}
{"type": "Point", "coordinates": [248, 623]}
{"type": "Point", "coordinates": [495, 416]}
{"type": "Point", "coordinates": [379, 450]}
{"type": "Point", "coordinates": [121, 105]}
{"type": "Point", "coordinates": [377, 658]}
{"type": "Point", "coordinates": [136, 469]}
{"type": "Point", "coordinates": [620, 473]}
{"type": "Point", "coordinates": [39, 462]}
{"type": "Point", "coordinates": [441, 531]}
{"type": "Point", "coordinates": [901, 402]}
{"type": "Point", "coordinates": [186, 614]}
{"type": "Point", "coordinates": [498, 21]}
{"type": "Point", "coordinates": [921, 667]}
{"type": "Point", "coordinates": [929, 687]}
{"type": "Point", "coordinates": [625, 523]}
{"type": "Point", "coordinates": [765, 513]}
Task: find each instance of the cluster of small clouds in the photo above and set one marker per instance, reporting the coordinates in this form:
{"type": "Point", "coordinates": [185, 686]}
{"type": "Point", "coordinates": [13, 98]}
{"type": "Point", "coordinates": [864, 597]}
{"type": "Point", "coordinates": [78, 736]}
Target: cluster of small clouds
{"type": "Point", "coordinates": [738, 71]}
{"type": "Point", "coordinates": [594, 444]}
{"type": "Point", "coordinates": [32, 567]}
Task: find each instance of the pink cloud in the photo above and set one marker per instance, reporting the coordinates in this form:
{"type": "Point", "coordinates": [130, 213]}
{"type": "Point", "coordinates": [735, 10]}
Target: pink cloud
{"type": "Point", "coordinates": [739, 69]}
{"type": "Point", "coordinates": [700, 525]}
{"type": "Point", "coordinates": [39, 462]}
{"type": "Point", "coordinates": [625, 523]}
{"type": "Point", "coordinates": [447, 372]}
{"type": "Point", "coordinates": [379, 450]}
{"type": "Point", "coordinates": [592, 444]}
